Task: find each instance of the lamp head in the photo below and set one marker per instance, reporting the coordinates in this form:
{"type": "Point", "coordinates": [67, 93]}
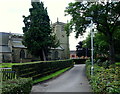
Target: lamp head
{"type": "Point", "coordinates": [88, 18]}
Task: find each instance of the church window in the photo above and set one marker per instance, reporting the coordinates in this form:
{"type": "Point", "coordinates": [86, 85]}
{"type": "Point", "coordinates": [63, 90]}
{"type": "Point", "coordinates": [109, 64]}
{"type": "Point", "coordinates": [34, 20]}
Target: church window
{"type": "Point", "coordinates": [22, 54]}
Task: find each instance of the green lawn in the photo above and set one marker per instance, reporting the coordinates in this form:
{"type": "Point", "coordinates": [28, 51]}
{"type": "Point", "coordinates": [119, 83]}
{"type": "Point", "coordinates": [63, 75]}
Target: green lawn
{"type": "Point", "coordinates": [9, 65]}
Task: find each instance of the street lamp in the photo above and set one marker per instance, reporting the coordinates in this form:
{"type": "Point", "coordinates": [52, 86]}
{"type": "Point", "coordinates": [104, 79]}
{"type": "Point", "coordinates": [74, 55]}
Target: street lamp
{"type": "Point", "coordinates": [92, 49]}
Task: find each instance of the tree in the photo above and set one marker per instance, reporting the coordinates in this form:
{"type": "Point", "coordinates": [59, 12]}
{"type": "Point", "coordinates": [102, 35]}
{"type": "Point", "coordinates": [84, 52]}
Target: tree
{"type": "Point", "coordinates": [101, 44]}
{"type": "Point", "coordinates": [80, 50]}
{"type": "Point", "coordinates": [38, 37]}
{"type": "Point", "coordinates": [104, 15]}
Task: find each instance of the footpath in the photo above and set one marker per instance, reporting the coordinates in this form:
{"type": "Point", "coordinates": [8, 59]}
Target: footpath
{"type": "Point", "coordinates": [73, 80]}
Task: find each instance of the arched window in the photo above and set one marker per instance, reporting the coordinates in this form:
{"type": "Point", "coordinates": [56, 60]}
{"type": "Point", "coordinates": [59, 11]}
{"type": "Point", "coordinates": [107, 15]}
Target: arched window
{"type": "Point", "coordinates": [22, 54]}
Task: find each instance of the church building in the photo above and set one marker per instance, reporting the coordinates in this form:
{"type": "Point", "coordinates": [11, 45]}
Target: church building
{"type": "Point", "coordinates": [12, 49]}
{"type": "Point", "coordinates": [61, 52]}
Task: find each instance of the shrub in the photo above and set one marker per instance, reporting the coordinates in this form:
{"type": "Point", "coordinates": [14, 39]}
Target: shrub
{"type": "Point", "coordinates": [102, 59]}
{"type": "Point", "coordinates": [104, 80]}
{"type": "Point", "coordinates": [17, 86]}
{"type": "Point", "coordinates": [37, 70]}
{"type": "Point", "coordinates": [118, 63]}
{"type": "Point", "coordinates": [117, 58]}
{"type": "Point", "coordinates": [79, 61]}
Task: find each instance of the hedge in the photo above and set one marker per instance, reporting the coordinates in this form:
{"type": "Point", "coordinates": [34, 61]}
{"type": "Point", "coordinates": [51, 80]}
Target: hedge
{"type": "Point", "coordinates": [37, 70]}
{"type": "Point", "coordinates": [79, 61]}
{"type": "Point", "coordinates": [17, 86]}
{"type": "Point", "coordinates": [104, 80]}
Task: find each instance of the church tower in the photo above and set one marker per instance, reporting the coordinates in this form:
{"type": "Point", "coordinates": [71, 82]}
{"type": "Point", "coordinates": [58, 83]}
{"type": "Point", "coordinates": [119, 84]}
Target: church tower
{"type": "Point", "coordinates": [58, 29]}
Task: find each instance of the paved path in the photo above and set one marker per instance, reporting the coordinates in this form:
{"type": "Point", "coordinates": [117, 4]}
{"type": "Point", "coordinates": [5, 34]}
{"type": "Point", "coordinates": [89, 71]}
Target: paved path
{"type": "Point", "coordinates": [73, 80]}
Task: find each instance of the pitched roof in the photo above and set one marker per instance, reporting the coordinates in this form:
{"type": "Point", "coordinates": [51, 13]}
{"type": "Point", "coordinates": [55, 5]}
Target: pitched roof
{"type": "Point", "coordinates": [18, 44]}
{"type": "Point", "coordinates": [58, 48]}
{"type": "Point", "coordinates": [5, 49]}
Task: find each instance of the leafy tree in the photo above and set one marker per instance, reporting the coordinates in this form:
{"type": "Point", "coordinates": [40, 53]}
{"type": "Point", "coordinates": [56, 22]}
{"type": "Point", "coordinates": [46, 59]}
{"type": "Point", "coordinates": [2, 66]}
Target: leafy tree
{"type": "Point", "coordinates": [101, 44]}
{"type": "Point", "coordinates": [104, 15]}
{"type": "Point", "coordinates": [82, 50]}
{"type": "Point", "coordinates": [38, 37]}
{"type": "Point", "coordinates": [79, 50]}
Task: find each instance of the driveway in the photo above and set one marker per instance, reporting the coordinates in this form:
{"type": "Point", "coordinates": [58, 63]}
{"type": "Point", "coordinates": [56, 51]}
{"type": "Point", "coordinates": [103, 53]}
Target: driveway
{"type": "Point", "coordinates": [73, 80]}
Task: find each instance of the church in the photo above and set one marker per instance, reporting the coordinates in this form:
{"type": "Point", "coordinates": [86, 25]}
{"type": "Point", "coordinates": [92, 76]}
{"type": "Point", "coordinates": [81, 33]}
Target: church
{"type": "Point", "coordinates": [12, 49]}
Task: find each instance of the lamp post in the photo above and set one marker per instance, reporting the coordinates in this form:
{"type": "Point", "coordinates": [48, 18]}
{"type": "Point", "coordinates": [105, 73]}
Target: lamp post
{"type": "Point", "coordinates": [92, 49]}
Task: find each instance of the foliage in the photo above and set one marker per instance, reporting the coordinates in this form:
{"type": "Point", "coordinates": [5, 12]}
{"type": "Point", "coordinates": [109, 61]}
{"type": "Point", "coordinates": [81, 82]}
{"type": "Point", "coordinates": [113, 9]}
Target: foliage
{"type": "Point", "coordinates": [101, 45]}
{"type": "Point", "coordinates": [104, 80]}
{"type": "Point", "coordinates": [38, 37]}
{"type": "Point", "coordinates": [79, 61]}
{"type": "Point", "coordinates": [104, 15]}
{"type": "Point", "coordinates": [17, 86]}
{"type": "Point", "coordinates": [117, 42]}
{"type": "Point", "coordinates": [37, 70]}
{"type": "Point", "coordinates": [101, 59]}
{"type": "Point", "coordinates": [118, 63]}
{"type": "Point", "coordinates": [82, 50]}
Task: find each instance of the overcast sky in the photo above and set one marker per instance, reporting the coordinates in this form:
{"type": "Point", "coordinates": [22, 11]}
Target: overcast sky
{"type": "Point", "coordinates": [11, 12]}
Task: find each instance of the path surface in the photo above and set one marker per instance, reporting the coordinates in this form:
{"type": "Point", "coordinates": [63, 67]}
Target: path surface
{"type": "Point", "coordinates": [73, 80]}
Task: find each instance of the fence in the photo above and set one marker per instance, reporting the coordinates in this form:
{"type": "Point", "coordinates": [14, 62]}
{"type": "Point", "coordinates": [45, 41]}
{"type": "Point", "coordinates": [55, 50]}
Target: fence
{"type": "Point", "coordinates": [7, 73]}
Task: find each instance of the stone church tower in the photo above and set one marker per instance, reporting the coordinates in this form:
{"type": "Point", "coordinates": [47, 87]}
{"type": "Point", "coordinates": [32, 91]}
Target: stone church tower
{"type": "Point", "coordinates": [61, 52]}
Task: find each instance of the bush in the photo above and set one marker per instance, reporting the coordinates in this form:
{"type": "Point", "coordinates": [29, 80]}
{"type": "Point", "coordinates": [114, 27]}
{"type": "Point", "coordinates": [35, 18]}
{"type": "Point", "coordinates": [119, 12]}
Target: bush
{"type": "Point", "coordinates": [104, 80]}
{"type": "Point", "coordinates": [17, 86]}
{"type": "Point", "coordinates": [79, 61]}
{"type": "Point", "coordinates": [117, 64]}
{"type": "Point", "coordinates": [100, 60]}
{"type": "Point", "coordinates": [117, 58]}
{"type": "Point", "coordinates": [37, 70]}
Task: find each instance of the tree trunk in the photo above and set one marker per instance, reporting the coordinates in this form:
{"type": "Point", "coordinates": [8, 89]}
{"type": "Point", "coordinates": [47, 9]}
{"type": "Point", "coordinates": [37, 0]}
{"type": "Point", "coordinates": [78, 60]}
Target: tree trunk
{"type": "Point", "coordinates": [44, 57]}
{"type": "Point", "coordinates": [111, 51]}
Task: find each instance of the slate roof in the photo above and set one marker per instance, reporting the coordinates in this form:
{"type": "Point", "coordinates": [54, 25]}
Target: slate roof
{"type": "Point", "coordinates": [58, 48]}
{"type": "Point", "coordinates": [5, 49]}
{"type": "Point", "coordinates": [18, 44]}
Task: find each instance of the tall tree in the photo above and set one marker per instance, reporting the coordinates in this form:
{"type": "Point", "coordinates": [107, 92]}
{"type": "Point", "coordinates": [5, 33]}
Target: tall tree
{"type": "Point", "coordinates": [38, 37]}
{"type": "Point", "coordinates": [79, 50]}
{"type": "Point", "coordinates": [101, 44]}
{"type": "Point", "coordinates": [105, 15]}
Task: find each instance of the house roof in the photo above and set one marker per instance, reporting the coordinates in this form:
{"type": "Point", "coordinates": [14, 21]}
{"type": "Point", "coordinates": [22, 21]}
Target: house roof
{"type": "Point", "coordinates": [58, 48]}
{"type": "Point", "coordinates": [18, 44]}
{"type": "Point", "coordinates": [5, 49]}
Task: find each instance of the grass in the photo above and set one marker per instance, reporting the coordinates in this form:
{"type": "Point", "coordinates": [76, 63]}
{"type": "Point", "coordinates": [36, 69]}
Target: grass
{"type": "Point", "coordinates": [9, 65]}
{"type": "Point", "coordinates": [50, 76]}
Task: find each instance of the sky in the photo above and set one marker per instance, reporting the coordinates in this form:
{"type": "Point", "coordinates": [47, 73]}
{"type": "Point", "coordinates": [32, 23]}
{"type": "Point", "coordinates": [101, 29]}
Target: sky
{"type": "Point", "coordinates": [11, 12]}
